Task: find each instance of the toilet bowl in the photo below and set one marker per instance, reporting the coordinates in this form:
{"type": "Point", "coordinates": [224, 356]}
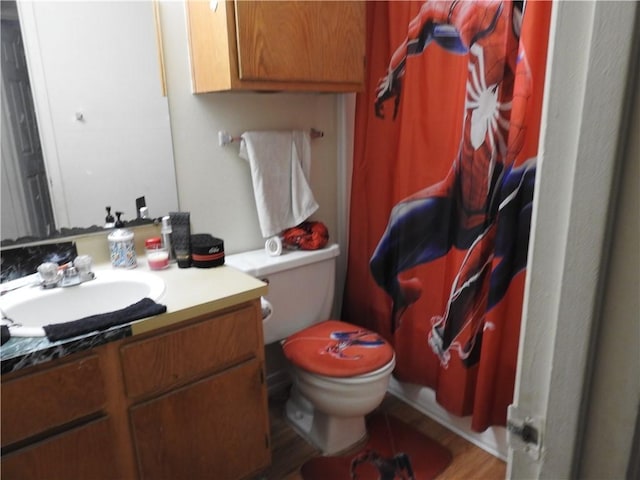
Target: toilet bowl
{"type": "Point", "coordinates": [330, 412]}
{"type": "Point", "coordinates": [339, 371]}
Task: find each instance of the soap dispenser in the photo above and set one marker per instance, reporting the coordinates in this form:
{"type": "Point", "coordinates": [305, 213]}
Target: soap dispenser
{"type": "Point", "coordinates": [109, 221]}
{"type": "Point", "coordinates": [119, 222]}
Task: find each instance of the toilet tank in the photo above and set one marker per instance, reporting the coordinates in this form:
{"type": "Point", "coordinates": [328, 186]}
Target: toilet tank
{"type": "Point", "coordinates": [301, 286]}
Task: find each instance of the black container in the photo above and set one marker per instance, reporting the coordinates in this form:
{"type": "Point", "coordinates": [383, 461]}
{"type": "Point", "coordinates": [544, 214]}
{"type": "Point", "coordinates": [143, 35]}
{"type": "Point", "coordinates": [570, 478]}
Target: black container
{"type": "Point", "coordinates": [206, 251]}
{"type": "Point", "coordinates": [180, 237]}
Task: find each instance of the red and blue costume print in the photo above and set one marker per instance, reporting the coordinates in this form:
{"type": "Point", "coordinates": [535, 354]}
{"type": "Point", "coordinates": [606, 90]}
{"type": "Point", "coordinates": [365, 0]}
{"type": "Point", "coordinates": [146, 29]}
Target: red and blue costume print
{"type": "Point", "coordinates": [483, 205]}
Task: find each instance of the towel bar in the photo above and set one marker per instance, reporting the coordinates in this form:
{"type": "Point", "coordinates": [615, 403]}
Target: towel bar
{"type": "Point", "coordinates": [225, 138]}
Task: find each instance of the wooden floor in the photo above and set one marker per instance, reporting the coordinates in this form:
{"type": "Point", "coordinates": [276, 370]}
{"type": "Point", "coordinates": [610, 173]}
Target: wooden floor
{"type": "Point", "coordinates": [289, 451]}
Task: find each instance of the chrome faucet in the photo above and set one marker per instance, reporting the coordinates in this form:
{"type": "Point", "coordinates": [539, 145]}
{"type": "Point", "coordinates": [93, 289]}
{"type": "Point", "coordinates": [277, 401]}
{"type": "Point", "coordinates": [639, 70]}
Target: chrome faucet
{"type": "Point", "coordinates": [74, 273]}
{"type": "Point", "coordinates": [70, 277]}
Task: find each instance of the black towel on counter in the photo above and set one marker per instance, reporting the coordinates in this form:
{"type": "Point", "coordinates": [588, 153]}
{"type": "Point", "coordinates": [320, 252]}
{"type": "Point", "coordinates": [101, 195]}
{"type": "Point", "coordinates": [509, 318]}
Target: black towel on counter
{"type": "Point", "coordinates": [142, 309]}
{"type": "Point", "coordinates": [6, 335]}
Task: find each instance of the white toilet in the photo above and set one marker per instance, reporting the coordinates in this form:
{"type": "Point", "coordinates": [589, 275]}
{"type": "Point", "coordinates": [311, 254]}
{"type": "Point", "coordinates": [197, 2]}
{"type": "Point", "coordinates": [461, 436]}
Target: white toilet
{"type": "Point", "coordinates": [340, 371]}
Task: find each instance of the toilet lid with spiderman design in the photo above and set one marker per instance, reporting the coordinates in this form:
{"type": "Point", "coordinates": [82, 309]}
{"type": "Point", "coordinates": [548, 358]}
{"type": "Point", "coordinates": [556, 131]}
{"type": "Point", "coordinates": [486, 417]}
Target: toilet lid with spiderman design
{"type": "Point", "coordinates": [337, 349]}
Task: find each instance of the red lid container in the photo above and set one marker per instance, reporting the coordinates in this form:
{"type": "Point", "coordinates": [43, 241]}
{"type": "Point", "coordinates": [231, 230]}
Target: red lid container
{"type": "Point", "coordinates": [153, 242]}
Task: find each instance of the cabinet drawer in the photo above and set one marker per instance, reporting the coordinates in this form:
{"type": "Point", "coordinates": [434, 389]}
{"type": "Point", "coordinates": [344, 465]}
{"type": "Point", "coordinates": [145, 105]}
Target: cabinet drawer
{"type": "Point", "coordinates": [86, 452]}
{"type": "Point", "coordinates": [37, 402]}
{"type": "Point", "coordinates": [177, 356]}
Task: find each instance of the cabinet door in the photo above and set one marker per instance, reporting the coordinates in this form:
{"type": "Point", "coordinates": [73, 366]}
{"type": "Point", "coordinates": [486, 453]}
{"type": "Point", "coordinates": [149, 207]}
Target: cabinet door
{"type": "Point", "coordinates": [301, 41]}
{"type": "Point", "coordinates": [214, 428]}
{"type": "Point", "coordinates": [86, 452]}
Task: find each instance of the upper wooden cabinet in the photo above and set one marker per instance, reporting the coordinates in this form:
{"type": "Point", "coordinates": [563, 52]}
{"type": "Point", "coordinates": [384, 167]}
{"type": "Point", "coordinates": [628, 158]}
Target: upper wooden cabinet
{"type": "Point", "coordinates": [277, 45]}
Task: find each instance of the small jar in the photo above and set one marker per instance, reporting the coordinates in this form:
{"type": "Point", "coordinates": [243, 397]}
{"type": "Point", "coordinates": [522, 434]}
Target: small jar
{"type": "Point", "coordinates": [157, 255]}
{"type": "Point", "coordinates": [122, 248]}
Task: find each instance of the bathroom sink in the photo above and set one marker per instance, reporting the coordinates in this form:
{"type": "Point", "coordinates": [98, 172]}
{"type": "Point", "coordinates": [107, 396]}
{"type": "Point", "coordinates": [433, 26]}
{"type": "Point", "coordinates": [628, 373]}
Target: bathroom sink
{"type": "Point", "coordinates": [32, 307]}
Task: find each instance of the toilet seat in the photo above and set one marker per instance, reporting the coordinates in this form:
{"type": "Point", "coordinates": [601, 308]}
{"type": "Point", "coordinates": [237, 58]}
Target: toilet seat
{"type": "Point", "coordinates": [337, 349]}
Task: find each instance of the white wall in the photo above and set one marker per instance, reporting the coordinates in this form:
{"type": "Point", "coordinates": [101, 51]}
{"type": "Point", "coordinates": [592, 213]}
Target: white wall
{"type": "Point", "coordinates": [615, 391]}
{"type": "Point", "coordinates": [214, 184]}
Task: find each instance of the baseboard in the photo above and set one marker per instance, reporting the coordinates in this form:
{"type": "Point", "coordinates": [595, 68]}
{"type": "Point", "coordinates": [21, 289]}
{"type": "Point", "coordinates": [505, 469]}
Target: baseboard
{"type": "Point", "coordinates": [493, 440]}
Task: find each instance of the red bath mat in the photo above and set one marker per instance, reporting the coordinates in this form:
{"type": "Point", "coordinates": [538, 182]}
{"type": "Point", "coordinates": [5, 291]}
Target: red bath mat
{"type": "Point", "coordinates": [394, 451]}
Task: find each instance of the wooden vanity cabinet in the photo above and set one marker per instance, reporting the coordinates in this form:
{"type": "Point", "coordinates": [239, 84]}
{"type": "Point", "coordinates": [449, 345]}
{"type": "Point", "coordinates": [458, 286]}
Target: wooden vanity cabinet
{"type": "Point", "coordinates": [184, 401]}
{"type": "Point", "coordinates": [294, 45]}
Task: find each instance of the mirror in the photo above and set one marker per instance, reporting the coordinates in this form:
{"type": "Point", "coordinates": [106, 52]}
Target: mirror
{"type": "Point", "coordinates": [98, 122]}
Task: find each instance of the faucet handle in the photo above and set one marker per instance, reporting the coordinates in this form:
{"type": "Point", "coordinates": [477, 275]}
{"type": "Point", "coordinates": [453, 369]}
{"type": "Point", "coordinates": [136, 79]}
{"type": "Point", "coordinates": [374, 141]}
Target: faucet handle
{"type": "Point", "coordinates": [49, 273]}
{"type": "Point", "coordinates": [83, 265]}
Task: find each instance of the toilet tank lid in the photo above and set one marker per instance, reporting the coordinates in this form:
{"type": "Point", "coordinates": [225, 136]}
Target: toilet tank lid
{"type": "Point", "coordinates": [258, 263]}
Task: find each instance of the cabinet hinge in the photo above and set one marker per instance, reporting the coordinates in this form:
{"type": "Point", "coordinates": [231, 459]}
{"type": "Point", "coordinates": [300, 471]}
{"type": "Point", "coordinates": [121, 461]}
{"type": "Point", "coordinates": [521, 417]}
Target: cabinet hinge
{"type": "Point", "coordinates": [262, 376]}
{"type": "Point", "coordinates": [524, 432]}
{"type": "Point", "coordinates": [266, 440]}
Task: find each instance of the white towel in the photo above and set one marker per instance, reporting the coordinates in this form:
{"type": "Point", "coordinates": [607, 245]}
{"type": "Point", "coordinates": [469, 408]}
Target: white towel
{"type": "Point", "coordinates": [280, 163]}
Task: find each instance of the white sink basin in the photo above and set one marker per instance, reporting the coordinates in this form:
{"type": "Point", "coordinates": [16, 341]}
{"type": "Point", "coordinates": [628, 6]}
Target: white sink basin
{"type": "Point", "coordinates": [33, 307]}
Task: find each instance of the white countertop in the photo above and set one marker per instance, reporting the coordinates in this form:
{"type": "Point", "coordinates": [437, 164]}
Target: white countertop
{"type": "Point", "coordinates": [191, 292]}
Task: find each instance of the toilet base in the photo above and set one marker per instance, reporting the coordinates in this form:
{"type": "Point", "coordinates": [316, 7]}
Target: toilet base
{"type": "Point", "coordinates": [328, 433]}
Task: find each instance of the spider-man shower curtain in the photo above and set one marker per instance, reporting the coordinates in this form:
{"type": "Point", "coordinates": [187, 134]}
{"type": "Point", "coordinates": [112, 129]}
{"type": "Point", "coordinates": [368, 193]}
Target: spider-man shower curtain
{"type": "Point", "coordinates": [444, 165]}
